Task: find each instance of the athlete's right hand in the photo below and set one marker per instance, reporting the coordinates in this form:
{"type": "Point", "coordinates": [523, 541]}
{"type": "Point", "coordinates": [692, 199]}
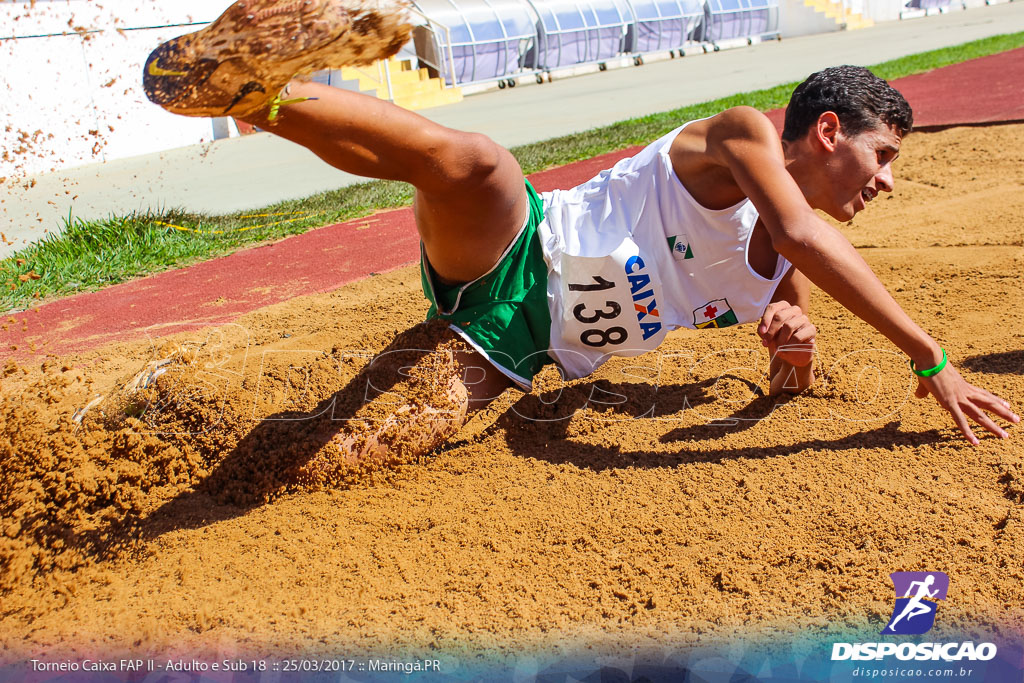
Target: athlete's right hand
{"type": "Point", "coordinates": [788, 333]}
{"type": "Point", "coordinates": [964, 400]}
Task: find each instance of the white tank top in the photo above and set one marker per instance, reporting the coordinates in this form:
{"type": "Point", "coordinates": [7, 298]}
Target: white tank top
{"type": "Point", "coordinates": [631, 255]}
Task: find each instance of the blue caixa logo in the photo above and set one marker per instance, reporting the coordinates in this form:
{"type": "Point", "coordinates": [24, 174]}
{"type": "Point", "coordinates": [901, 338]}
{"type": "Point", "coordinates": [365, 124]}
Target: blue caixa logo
{"type": "Point", "coordinates": [917, 596]}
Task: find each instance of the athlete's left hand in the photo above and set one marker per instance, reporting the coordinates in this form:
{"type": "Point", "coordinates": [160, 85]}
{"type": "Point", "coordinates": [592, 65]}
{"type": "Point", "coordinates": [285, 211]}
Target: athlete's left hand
{"type": "Point", "coordinates": [964, 400]}
{"type": "Point", "coordinates": [788, 334]}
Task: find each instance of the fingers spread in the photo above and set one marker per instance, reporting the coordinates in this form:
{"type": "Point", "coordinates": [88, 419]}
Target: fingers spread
{"type": "Point", "coordinates": [994, 404]}
{"type": "Point", "coordinates": [961, 422]}
{"type": "Point", "coordinates": [979, 416]}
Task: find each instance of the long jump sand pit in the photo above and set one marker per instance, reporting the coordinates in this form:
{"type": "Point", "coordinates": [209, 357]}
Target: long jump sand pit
{"type": "Point", "coordinates": [662, 501]}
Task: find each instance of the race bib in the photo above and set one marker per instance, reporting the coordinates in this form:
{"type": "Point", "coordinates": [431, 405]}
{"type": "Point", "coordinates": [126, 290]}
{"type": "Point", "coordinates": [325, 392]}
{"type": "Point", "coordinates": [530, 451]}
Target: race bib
{"type": "Point", "coordinates": [610, 303]}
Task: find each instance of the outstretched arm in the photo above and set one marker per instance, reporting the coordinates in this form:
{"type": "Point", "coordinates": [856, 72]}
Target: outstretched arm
{"type": "Point", "coordinates": [746, 143]}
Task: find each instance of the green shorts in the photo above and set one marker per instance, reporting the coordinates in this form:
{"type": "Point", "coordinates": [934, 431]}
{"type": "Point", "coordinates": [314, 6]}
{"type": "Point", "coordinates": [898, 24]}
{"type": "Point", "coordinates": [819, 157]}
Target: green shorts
{"type": "Point", "coordinates": [504, 313]}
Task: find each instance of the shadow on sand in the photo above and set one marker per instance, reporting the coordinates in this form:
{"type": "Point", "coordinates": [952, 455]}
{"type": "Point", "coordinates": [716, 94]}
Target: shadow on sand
{"type": "Point", "coordinates": [1007, 363]}
{"type": "Point", "coordinates": [536, 426]}
{"type": "Point", "coordinates": [547, 437]}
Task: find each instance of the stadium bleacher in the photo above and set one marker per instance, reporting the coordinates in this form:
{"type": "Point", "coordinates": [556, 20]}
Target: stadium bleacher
{"type": "Point", "coordinates": [499, 40]}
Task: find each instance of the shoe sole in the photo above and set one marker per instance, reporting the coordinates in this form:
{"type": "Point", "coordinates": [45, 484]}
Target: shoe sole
{"type": "Point", "coordinates": [247, 55]}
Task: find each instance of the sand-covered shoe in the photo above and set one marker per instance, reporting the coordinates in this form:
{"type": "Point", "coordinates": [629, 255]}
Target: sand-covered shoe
{"type": "Point", "coordinates": [239, 63]}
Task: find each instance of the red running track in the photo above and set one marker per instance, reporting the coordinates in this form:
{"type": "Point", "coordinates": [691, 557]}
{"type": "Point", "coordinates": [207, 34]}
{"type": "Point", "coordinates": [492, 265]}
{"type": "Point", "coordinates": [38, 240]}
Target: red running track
{"type": "Point", "coordinates": [984, 90]}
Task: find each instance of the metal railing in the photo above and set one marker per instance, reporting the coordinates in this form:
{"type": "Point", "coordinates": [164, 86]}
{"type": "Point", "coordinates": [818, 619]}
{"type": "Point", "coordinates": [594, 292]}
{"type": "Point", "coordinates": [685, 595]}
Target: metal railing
{"type": "Point", "coordinates": [379, 73]}
{"type": "Point", "coordinates": [432, 26]}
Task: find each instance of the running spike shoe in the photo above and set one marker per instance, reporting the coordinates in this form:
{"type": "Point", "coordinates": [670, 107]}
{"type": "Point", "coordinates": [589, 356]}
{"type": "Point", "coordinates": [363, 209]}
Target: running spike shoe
{"type": "Point", "coordinates": [239, 64]}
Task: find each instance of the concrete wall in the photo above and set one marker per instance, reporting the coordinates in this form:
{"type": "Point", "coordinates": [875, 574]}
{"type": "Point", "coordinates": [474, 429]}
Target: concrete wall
{"type": "Point", "coordinates": [882, 10]}
{"type": "Point", "coordinates": [796, 19]}
{"type": "Point", "coordinates": [71, 72]}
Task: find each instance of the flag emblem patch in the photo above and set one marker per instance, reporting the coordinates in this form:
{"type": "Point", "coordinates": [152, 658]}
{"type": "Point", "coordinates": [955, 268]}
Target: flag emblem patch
{"type": "Point", "coordinates": [715, 313]}
{"type": "Point", "coordinates": [680, 246]}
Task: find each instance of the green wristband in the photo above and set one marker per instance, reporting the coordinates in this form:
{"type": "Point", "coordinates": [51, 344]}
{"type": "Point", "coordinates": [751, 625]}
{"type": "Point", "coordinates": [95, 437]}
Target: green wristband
{"type": "Point", "coordinates": [930, 371]}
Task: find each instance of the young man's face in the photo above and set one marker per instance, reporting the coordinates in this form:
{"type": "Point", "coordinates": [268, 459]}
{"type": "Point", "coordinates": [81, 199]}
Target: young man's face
{"type": "Point", "coordinates": [859, 169]}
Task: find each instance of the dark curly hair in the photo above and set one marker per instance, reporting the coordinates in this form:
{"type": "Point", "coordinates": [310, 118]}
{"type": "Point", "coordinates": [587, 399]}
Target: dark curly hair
{"type": "Point", "coordinates": [858, 97]}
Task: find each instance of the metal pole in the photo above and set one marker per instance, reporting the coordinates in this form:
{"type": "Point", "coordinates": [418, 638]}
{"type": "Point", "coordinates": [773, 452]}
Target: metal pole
{"type": "Point", "coordinates": [451, 54]}
{"type": "Point", "coordinates": [387, 79]}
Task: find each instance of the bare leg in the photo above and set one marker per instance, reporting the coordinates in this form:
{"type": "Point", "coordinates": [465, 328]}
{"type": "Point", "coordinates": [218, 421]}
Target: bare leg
{"type": "Point", "coordinates": [437, 403]}
{"type": "Point", "coordinates": [410, 432]}
{"type": "Point", "coordinates": [470, 197]}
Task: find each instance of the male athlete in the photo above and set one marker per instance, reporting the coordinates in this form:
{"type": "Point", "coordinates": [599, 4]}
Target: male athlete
{"type": "Point", "coordinates": [712, 225]}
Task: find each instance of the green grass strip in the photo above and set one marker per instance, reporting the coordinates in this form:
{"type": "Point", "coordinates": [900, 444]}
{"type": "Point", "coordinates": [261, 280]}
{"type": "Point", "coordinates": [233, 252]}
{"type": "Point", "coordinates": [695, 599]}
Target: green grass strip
{"type": "Point", "coordinates": [88, 255]}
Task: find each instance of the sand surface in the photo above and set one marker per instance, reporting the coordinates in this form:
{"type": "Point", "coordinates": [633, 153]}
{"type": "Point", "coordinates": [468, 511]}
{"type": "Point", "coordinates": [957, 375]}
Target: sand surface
{"type": "Point", "coordinates": [663, 500]}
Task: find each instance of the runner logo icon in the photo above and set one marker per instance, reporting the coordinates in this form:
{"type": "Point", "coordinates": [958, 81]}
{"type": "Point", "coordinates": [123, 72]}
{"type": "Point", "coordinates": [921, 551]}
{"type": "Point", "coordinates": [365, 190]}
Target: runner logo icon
{"type": "Point", "coordinates": [917, 596]}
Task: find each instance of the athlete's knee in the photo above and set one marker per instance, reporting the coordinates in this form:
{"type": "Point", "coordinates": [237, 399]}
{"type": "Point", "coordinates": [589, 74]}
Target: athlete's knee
{"type": "Point", "coordinates": [466, 160]}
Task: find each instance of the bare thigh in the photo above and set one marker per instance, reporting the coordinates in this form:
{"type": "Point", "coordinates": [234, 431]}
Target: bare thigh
{"type": "Point", "coordinates": [470, 196]}
{"type": "Point", "coordinates": [467, 224]}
